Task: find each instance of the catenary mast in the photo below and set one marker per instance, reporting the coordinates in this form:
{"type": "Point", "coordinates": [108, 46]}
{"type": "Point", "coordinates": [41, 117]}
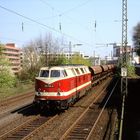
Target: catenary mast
{"type": "Point", "coordinates": [124, 56]}
{"type": "Point", "coordinates": [124, 59]}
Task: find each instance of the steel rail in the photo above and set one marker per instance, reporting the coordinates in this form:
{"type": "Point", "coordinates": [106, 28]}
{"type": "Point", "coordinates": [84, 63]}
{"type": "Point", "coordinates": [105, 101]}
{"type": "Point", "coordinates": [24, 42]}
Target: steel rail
{"type": "Point", "coordinates": [27, 129]}
{"type": "Point", "coordinates": [18, 127]}
{"type": "Point", "coordinates": [81, 116]}
{"type": "Point", "coordinates": [15, 98]}
{"type": "Point", "coordinates": [122, 119]}
{"type": "Point", "coordinates": [38, 129]}
{"type": "Point", "coordinates": [101, 112]}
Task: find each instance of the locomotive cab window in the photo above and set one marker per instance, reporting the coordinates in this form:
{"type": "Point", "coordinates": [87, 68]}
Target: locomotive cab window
{"type": "Point", "coordinates": [44, 73]}
{"type": "Point", "coordinates": [55, 73]}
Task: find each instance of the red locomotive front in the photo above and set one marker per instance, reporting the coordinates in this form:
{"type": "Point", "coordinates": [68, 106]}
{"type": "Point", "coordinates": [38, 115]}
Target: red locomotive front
{"type": "Point", "coordinates": [60, 86]}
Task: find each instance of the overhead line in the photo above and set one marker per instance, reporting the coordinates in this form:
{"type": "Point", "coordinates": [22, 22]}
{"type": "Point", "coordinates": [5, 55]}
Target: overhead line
{"type": "Point", "coordinates": [30, 19]}
{"type": "Point", "coordinates": [63, 13]}
{"type": "Point", "coordinates": [69, 10]}
{"type": "Point", "coordinates": [78, 6]}
{"type": "Point", "coordinates": [47, 4]}
{"type": "Point", "coordinates": [11, 11]}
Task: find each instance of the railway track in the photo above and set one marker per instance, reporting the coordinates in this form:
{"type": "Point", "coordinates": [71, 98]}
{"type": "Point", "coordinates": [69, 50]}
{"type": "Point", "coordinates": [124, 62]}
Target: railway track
{"type": "Point", "coordinates": [85, 125]}
{"type": "Point", "coordinates": [28, 128]}
{"type": "Point", "coordinates": [15, 103]}
{"type": "Point", "coordinates": [15, 99]}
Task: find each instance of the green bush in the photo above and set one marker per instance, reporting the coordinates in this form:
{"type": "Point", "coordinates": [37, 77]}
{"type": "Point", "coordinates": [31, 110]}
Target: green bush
{"type": "Point", "coordinates": [131, 71]}
{"type": "Point", "coordinates": [7, 79]}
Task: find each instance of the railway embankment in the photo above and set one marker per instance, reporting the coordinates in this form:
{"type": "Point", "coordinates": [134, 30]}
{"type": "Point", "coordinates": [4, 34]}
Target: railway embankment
{"type": "Point", "coordinates": [131, 126]}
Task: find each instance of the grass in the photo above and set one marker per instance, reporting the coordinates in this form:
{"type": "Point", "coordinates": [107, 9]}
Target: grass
{"type": "Point", "coordinates": [21, 88]}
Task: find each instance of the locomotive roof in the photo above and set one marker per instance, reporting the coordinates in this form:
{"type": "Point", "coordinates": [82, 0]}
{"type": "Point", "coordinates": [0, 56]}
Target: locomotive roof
{"type": "Point", "coordinates": [62, 67]}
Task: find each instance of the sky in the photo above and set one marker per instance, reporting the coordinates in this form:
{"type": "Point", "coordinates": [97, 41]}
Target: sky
{"type": "Point", "coordinates": [92, 23]}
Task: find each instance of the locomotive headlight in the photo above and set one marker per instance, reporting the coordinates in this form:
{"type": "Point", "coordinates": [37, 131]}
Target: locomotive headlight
{"type": "Point", "coordinates": [38, 91]}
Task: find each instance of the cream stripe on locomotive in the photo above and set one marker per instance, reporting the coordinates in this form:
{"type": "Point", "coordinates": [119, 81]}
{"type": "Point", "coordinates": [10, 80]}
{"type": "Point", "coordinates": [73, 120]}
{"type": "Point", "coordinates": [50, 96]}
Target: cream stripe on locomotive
{"type": "Point", "coordinates": [63, 93]}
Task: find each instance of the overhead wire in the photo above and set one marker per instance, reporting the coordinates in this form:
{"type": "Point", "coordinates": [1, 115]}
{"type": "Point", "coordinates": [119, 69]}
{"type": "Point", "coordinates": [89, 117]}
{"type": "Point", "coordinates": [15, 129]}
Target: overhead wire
{"type": "Point", "coordinates": [69, 10]}
{"type": "Point", "coordinates": [65, 12]}
{"type": "Point", "coordinates": [43, 25]}
{"type": "Point", "coordinates": [47, 4]}
{"type": "Point", "coordinates": [76, 7]}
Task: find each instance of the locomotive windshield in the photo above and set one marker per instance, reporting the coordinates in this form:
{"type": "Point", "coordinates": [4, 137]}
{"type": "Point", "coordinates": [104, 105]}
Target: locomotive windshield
{"type": "Point", "coordinates": [44, 73]}
{"type": "Point", "coordinates": [55, 73]}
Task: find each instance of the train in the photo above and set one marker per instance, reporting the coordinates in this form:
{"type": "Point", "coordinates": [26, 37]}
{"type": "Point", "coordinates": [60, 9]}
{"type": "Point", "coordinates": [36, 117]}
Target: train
{"type": "Point", "coordinates": [58, 87]}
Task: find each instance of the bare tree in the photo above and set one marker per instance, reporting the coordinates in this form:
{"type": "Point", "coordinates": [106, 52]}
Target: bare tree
{"type": "Point", "coordinates": [37, 54]}
{"type": "Point", "coordinates": [31, 56]}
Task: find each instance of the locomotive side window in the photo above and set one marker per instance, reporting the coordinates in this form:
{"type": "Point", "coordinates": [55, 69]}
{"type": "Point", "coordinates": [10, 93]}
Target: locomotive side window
{"type": "Point", "coordinates": [44, 73]}
{"type": "Point", "coordinates": [64, 73]}
{"type": "Point", "coordinates": [77, 71]}
{"type": "Point", "coordinates": [85, 69]}
{"type": "Point", "coordinates": [55, 73]}
{"type": "Point", "coordinates": [82, 70]}
{"type": "Point", "coordinates": [73, 71]}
